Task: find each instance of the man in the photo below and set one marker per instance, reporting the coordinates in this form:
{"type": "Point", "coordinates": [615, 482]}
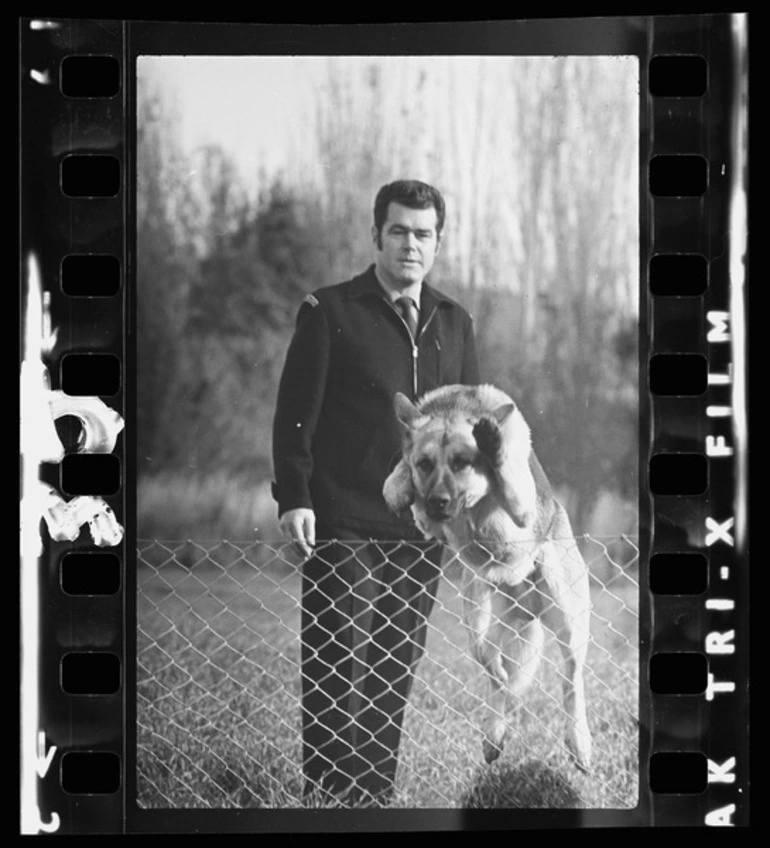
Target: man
{"type": "Point", "coordinates": [365, 604]}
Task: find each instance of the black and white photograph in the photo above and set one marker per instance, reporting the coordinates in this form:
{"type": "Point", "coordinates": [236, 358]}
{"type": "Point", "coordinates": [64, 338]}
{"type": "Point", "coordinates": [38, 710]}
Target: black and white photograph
{"type": "Point", "coordinates": [387, 327]}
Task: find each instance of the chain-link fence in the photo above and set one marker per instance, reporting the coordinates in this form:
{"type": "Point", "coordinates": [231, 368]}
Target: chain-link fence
{"type": "Point", "coordinates": [219, 688]}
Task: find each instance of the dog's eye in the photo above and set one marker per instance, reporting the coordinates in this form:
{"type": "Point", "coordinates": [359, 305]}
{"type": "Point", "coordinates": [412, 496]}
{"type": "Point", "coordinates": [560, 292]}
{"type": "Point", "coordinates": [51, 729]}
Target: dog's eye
{"type": "Point", "coordinates": [460, 463]}
{"type": "Point", "coordinates": [425, 465]}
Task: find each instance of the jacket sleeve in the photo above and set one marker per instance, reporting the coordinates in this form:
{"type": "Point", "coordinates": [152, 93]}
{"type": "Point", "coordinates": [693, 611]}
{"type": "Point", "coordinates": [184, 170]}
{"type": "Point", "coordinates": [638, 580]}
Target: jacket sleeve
{"type": "Point", "coordinates": [470, 367]}
{"type": "Point", "coordinates": [300, 397]}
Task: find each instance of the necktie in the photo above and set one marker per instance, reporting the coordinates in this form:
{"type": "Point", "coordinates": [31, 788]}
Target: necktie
{"type": "Point", "coordinates": [408, 309]}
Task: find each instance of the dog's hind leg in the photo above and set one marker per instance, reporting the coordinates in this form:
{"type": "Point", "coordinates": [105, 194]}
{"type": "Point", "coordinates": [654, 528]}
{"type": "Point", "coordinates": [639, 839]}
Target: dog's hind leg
{"type": "Point", "coordinates": [524, 660]}
{"type": "Point", "coordinates": [496, 724]}
{"type": "Point", "coordinates": [480, 621]}
{"type": "Point", "coordinates": [520, 659]}
{"type": "Point", "coordinates": [568, 615]}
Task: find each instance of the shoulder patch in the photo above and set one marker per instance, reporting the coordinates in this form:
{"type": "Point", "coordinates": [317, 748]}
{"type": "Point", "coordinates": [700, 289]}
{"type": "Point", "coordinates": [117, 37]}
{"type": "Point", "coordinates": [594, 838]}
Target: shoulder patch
{"type": "Point", "coordinates": [310, 299]}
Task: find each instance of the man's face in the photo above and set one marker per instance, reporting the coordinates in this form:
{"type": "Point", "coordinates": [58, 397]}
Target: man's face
{"type": "Point", "coordinates": [407, 245]}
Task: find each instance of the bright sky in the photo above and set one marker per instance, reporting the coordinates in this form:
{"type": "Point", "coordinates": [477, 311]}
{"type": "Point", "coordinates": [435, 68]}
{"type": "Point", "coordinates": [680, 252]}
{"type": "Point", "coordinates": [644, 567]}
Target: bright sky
{"type": "Point", "coordinates": [254, 106]}
{"type": "Point", "coordinates": [261, 108]}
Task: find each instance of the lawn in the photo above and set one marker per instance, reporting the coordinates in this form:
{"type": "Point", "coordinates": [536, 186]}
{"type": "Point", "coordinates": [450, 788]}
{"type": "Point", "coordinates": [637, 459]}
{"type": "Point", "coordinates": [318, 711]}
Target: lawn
{"type": "Point", "coordinates": [218, 689]}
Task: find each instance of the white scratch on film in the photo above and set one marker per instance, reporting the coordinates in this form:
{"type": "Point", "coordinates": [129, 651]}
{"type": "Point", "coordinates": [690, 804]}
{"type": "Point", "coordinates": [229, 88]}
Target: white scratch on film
{"type": "Point", "coordinates": [738, 245]}
{"type": "Point", "coordinates": [101, 425]}
{"type": "Point", "coordinates": [43, 77]}
{"type": "Point", "coordinates": [37, 433]}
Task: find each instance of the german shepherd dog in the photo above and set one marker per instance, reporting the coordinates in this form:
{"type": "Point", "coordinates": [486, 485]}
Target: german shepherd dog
{"type": "Point", "coordinates": [473, 482]}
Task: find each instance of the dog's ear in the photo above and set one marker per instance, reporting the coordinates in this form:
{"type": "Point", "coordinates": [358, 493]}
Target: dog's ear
{"type": "Point", "coordinates": [406, 412]}
{"type": "Point", "coordinates": [398, 489]}
{"type": "Point", "coordinates": [503, 413]}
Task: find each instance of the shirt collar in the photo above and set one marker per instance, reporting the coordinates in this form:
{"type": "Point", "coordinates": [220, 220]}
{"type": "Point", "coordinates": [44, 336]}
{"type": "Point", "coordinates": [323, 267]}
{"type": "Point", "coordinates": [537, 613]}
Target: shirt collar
{"type": "Point", "coordinates": [367, 284]}
{"type": "Point", "coordinates": [414, 291]}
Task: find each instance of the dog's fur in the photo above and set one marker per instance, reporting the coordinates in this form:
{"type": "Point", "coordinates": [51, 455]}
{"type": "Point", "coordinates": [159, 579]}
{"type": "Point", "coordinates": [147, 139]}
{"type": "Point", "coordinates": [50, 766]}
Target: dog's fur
{"type": "Point", "coordinates": [473, 482]}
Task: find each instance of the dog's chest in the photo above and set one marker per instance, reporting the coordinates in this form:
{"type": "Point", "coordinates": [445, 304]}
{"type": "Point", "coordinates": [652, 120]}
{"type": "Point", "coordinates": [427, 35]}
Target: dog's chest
{"type": "Point", "coordinates": [496, 611]}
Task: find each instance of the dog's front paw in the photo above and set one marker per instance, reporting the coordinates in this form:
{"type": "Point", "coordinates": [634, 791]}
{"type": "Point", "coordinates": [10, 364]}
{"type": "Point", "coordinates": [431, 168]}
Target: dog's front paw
{"type": "Point", "coordinates": [489, 439]}
{"type": "Point", "coordinates": [491, 750]}
{"type": "Point", "coordinates": [579, 745]}
{"type": "Point", "coordinates": [494, 738]}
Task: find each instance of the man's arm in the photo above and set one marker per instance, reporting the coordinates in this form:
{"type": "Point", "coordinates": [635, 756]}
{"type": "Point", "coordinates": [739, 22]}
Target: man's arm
{"type": "Point", "coordinates": [300, 397]}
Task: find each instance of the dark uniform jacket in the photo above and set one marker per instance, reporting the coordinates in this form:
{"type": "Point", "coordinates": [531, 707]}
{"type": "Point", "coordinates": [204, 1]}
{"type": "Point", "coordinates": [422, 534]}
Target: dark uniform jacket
{"type": "Point", "coordinates": [336, 437]}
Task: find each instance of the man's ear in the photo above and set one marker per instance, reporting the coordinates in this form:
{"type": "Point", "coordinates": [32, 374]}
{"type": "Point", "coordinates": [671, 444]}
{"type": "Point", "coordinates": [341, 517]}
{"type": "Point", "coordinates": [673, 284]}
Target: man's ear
{"type": "Point", "coordinates": [406, 412]}
{"type": "Point", "coordinates": [376, 237]}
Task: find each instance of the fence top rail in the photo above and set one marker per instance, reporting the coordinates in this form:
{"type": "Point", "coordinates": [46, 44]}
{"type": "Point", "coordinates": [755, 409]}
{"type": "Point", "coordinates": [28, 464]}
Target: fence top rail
{"type": "Point", "coordinates": [630, 538]}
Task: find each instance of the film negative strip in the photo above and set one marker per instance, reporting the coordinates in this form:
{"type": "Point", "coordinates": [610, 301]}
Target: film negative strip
{"type": "Point", "coordinates": [699, 425]}
{"type": "Point", "coordinates": [160, 673]}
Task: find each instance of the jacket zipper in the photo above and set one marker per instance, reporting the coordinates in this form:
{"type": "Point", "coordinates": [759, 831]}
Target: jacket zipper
{"type": "Point", "coordinates": [415, 342]}
{"type": "Point", "coordinates": [416, 351]}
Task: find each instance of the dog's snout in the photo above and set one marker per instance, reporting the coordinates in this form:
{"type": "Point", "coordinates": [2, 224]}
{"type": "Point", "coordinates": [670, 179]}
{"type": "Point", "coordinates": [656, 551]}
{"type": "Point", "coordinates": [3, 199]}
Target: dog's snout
{"type": "Point", "coordinates": [439, 506]}
{"type": "Point", "coordinates": [440, 502]}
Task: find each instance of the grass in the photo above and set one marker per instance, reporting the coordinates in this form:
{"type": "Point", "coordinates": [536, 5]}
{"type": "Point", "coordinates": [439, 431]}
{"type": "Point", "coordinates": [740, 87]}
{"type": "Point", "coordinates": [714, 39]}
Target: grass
{"type": "Point", "coordinates": [205, 505]}
{"type": "Point", "coordinates": [218, 697]}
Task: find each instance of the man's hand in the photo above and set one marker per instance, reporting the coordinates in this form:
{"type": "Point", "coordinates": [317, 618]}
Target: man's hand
{"type": "Point", "coordinates": [298, 525]}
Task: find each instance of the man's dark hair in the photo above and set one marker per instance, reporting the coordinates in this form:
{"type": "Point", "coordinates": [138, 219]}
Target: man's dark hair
{"type": "Point", "coordinates": [413, 194]}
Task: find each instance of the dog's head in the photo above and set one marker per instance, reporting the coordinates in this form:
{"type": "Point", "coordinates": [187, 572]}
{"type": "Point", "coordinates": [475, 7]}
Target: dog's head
{"type": "Point", "coordinates": [442, 471]}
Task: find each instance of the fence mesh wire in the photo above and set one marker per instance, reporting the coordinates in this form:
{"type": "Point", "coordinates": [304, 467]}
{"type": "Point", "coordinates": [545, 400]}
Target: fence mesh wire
{"type": "Point", "coordinates": [218, 690]}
